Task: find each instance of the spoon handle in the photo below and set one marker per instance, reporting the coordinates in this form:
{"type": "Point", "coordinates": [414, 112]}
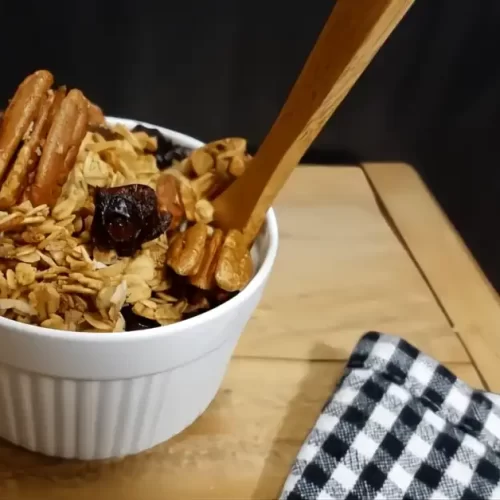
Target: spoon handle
{"type": "Point", "coordinates": [351, 37]}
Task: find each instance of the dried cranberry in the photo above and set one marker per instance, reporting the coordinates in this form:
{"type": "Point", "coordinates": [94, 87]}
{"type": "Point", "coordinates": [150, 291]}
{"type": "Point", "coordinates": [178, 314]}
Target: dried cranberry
{"type": "Point", "coordinates": [135, 322]}
{"type": "Point", "coordinates": [167, 151]}
{"type": "Point", "coordinates": [126, 217]}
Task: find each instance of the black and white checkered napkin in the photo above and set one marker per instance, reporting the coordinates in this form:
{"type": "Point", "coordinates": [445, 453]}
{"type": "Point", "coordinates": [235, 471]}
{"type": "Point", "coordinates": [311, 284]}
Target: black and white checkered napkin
{"type": "Point", "coordinates": [400, 426]}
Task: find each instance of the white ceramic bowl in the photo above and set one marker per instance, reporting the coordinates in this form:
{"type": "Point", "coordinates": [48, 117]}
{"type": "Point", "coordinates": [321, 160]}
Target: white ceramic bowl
{"type": "Point", "coordinates": [95, 396]}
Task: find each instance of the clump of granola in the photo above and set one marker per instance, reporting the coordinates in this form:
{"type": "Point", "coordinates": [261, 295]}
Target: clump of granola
{"type": "Point", "coordinates": [55, 272]}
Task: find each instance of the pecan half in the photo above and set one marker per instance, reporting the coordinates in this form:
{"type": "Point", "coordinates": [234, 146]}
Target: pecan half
{"type": "Point", "coordinates": [20, 114]}
{"type": "Point", "coordinates": [95, 115]}
{"type": "Point", "coordinates": [205, 277]}
{"type": "Point", "coordinates": [27, 158]}
{"type": "Point", "coordinates": [186, 250]}
{"type": "Point", "coordinates": [167, 195]}
{"type": "Point", "coordinates": [60, 150]}
{"type": "Point", "coordinates": [234, 267]}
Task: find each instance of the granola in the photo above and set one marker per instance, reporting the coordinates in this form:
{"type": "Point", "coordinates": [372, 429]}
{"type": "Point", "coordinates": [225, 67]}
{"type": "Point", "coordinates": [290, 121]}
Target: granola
{"type": "Point", "coordinates": [58, 159]}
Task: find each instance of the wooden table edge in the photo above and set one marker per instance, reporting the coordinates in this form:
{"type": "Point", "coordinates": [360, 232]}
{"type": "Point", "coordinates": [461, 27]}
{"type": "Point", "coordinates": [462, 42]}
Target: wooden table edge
{"type": "Point", "coordinates": [473, 309]}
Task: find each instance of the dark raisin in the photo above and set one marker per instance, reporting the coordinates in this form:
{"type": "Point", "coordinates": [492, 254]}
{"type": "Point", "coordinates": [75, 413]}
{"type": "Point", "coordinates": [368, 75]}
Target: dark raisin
{"type": "Point", "coordinates": [106, 133]}
{"type": "Point", "coordinates": [219, 296]}
{"type": "Point", "coordinates": [193, 313]}
{"type": "Point", "coordinates": [179, 285]}
{"type": "Point", "coordinates": [175, 153]}
{"type": "Point", "coordinates": [197, 304]}
{"type": "Point", "coordinates": [126, 217]}
{"type": "Point", "coordinates": [135, 322]}
{"type": "Point", "coordinates": [166, 151]}
{"type": "Point", "coordinates": [152, 132]}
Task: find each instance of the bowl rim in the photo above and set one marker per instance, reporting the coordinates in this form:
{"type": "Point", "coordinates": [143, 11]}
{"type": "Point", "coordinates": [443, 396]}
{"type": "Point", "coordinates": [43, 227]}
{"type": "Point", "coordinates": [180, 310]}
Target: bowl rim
{"type": "Point", "coordinates": [271, 226]}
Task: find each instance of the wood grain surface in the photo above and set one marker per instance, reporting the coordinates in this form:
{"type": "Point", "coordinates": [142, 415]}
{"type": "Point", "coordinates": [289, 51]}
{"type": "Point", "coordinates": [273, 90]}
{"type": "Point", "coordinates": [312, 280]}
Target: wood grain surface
{"type": "Point", "coordinates": [240, 448]}
{"type": "Point", "coordinates": [341, 271]}
{"type": "Point", "coordinates": [463, 290]}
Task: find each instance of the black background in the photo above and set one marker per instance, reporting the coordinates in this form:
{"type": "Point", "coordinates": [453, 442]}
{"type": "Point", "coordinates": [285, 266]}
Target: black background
{"type": "Point", "coordinates": [211, 69]}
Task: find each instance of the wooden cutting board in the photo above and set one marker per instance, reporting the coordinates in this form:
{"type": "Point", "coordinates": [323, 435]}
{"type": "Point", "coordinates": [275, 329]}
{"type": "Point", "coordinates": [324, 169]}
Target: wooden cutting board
{"type": "Point", "coordinates": [361, 249]}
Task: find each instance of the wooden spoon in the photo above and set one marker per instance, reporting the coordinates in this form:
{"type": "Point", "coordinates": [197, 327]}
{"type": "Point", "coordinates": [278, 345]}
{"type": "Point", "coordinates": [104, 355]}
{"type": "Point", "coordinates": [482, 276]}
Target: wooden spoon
{"type": "Point", "coordinates": [354, 32]}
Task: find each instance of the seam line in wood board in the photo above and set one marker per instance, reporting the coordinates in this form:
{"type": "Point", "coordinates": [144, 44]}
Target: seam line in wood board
{"type": "Point", "coordinates": [394, 228]}
{"type": "Point", "coordinates": [472, 361]}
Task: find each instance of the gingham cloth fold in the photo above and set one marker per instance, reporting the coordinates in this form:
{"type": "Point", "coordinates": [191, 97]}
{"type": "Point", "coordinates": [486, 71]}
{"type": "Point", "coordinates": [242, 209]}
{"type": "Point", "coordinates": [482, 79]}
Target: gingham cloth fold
{"type": "Point", "coordinates": [400, 426]}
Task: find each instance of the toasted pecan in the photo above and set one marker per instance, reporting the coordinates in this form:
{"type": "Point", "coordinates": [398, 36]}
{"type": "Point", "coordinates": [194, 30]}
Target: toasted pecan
{"type": "Point", "coordinates": [205, 277]}
{"type": "Point", "coordinates": [20, 113]}
{"type": "Point", "coordinates": [186, 250]}
{"type": "Point", "coordinates": [234, 267]}
{"type": "Point", "coordinates": [79, 131]}
{"type": "Point", "coordinates": [60, 150]}
{"type": "Point", "coordinates": [168, 199]}
{"type": "Point", "coordinates": [27, 158]}
{"type": "Point", "coordinates": [59, 95]}
{"type": "Point", "coordinates": [96, 116]}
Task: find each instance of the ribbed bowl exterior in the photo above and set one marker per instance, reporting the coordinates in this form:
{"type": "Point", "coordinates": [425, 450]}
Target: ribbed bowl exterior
{"type": "Point", "coordinates": [86, 396]}
{"type": "Point", "coordinates": [103, 419]}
